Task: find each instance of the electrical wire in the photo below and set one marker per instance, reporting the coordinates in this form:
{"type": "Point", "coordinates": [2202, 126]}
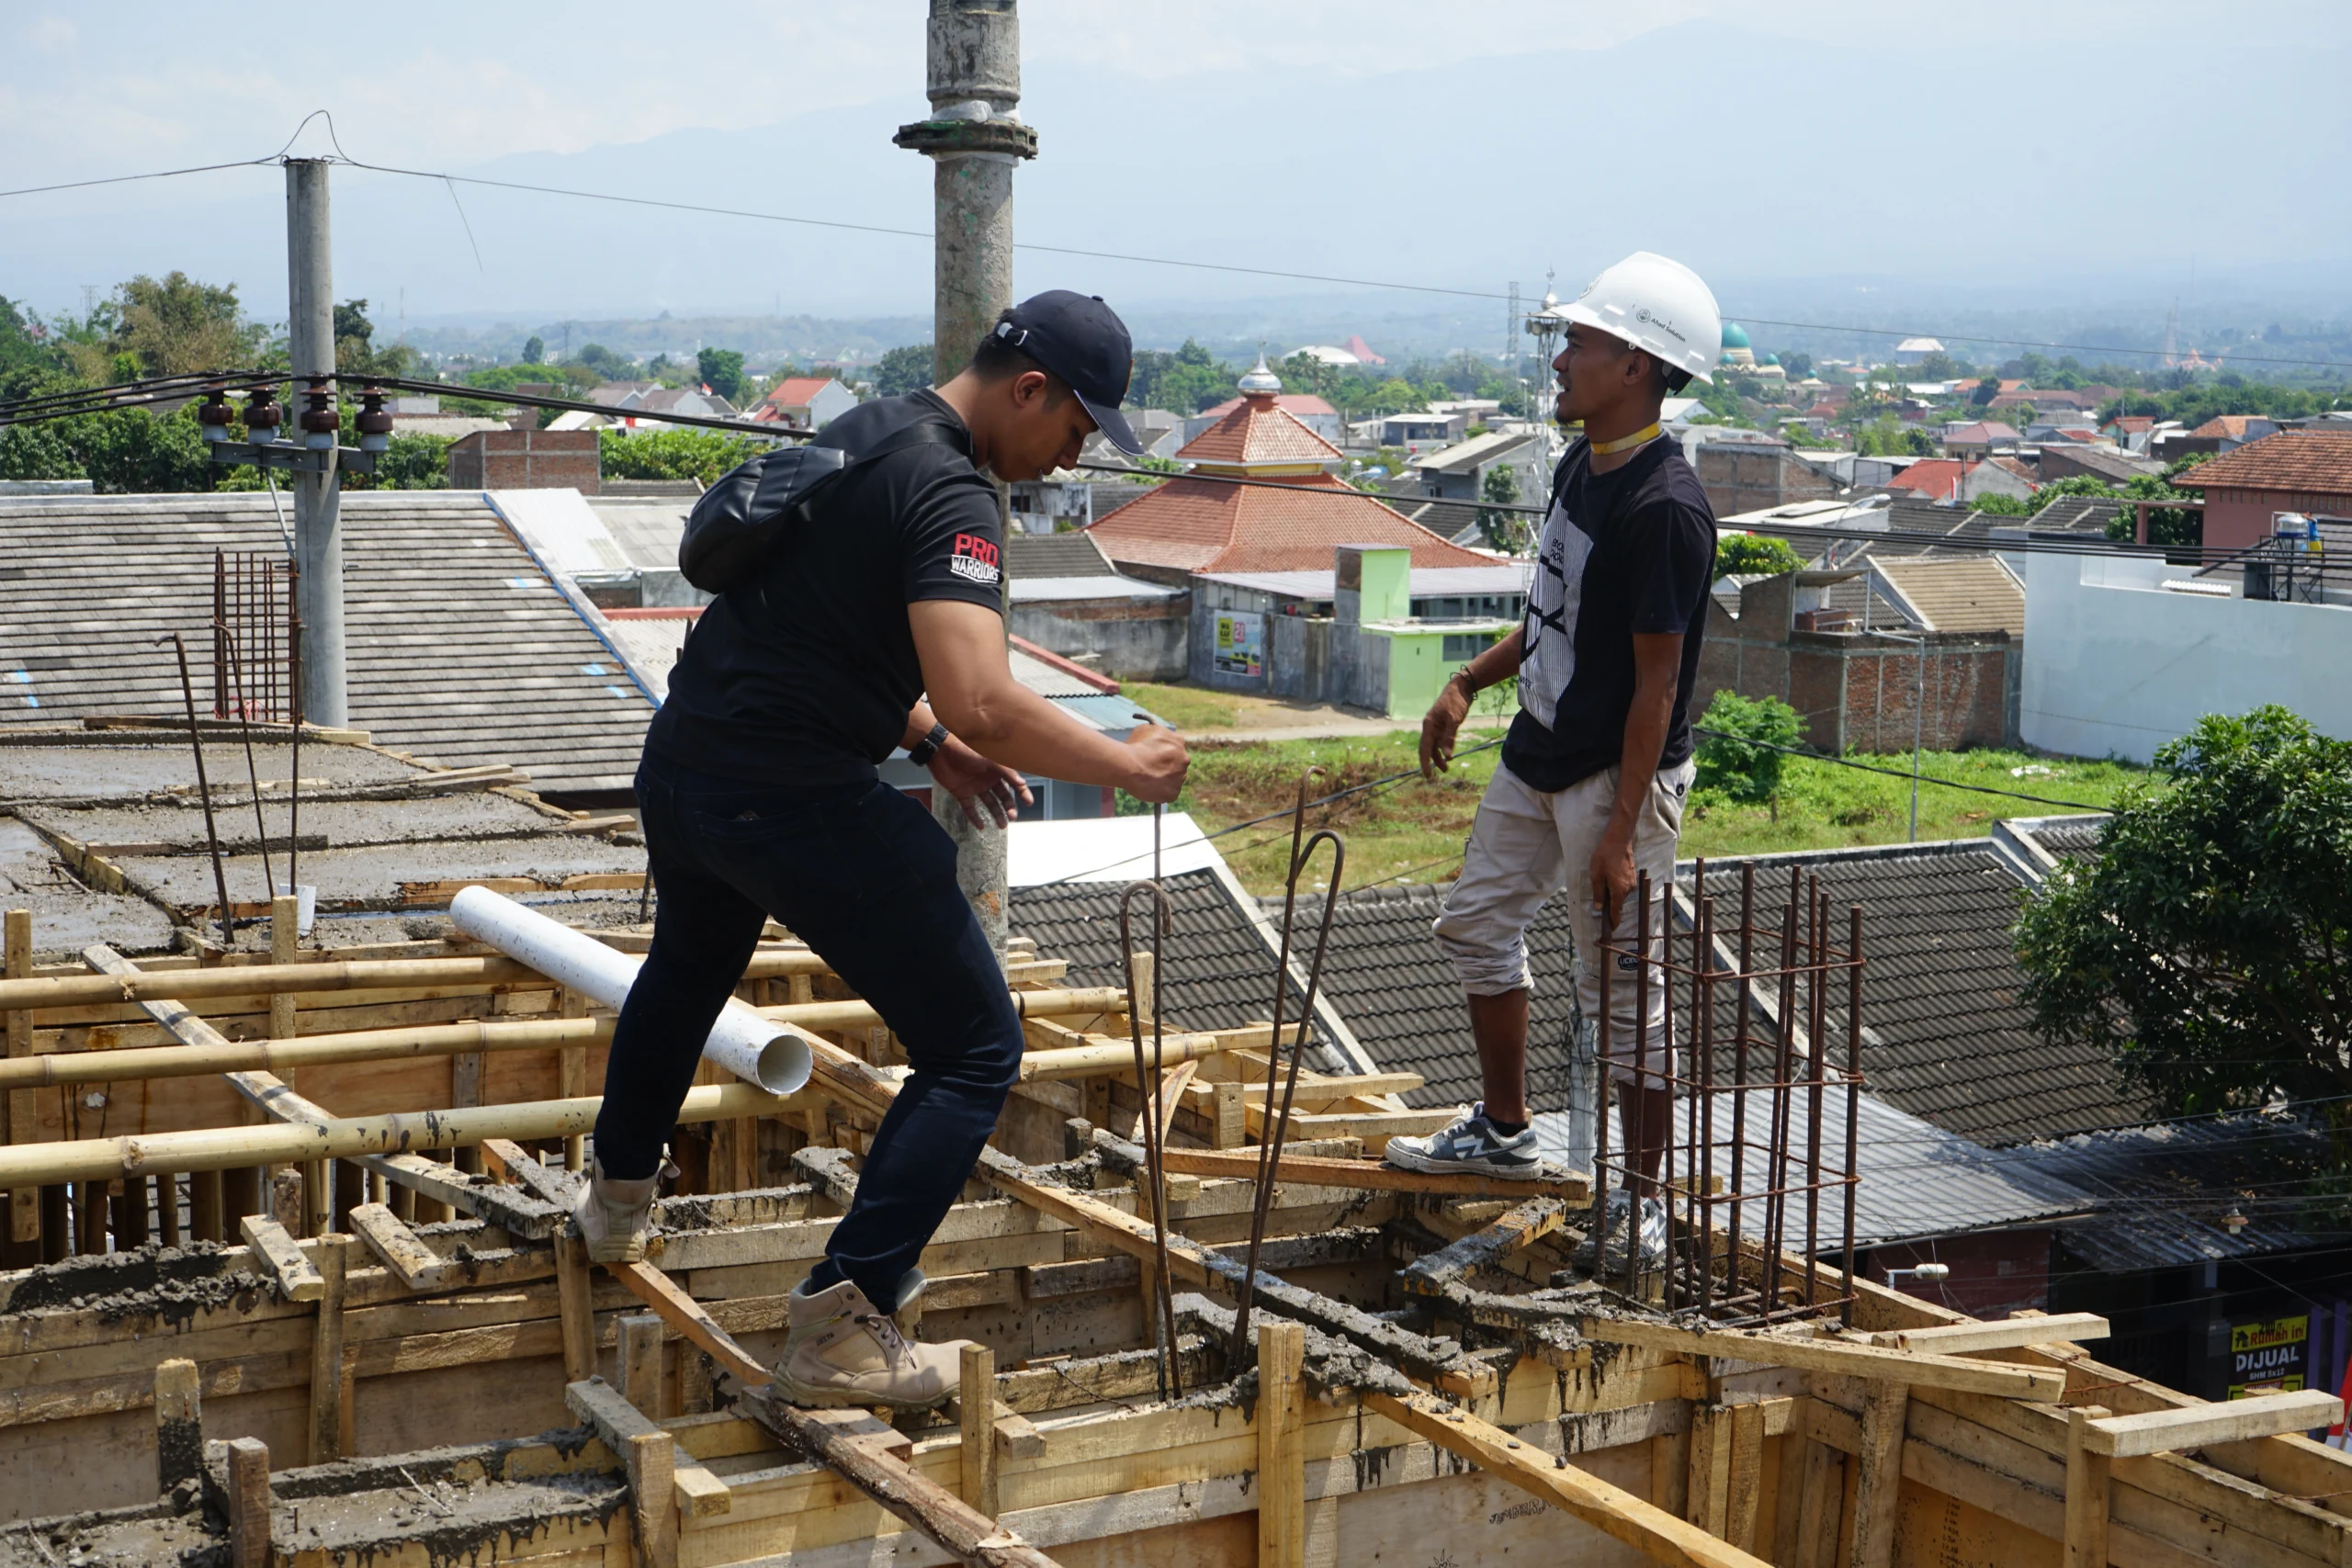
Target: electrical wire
{"type": "Point", "coordinates": [128, 179]}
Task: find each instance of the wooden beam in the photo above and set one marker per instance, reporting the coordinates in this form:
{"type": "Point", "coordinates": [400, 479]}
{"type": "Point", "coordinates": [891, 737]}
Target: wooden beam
{"type": "Point", "coordinates": [975, 1453]}
{"type": "Point", "coordinates": [693, 1491]}
{"type": "Point", "coordinates": [248, 1503]}
{"type": "Point", "coordinates": [2007, 1333]}
{"type": "Point", "coordinates": [640, 1336]}
{"type": "Point", "coordinates": [179, 1424]}
{"type": "Point", "coordinates": [16, 960]}
{"type": "Point", "coordinates": [1835, 1356]}
{"type": "Point", "coordinates": [575, 1311]}
{"type": "Point", "coordinates": [1371, 1175]}
{"type": "Point", "coordinates": [277, 1252]}
{"type": "Point", "coordinates": [328, 1417]}
{"type": "Point", "coordinates": [1282, 1457]}
{"type": "Point", "coordinates": [418, 1267]}
{"type": "Point", "coordinates": [1880, 1482]}
{"type": "Point", "coordinates": [1430, 1274]}
{"type": "Point", "coordinates": [2196, 1426]}
{"type": "Point", "coordinates": [938, 1513]}
{"type": "Point", "coordinates": [2088, 1491]}
{"type": "Point", "coordinates": [1746, 1480]}
{"type": "Point", "coordinates": [1613, 1511]}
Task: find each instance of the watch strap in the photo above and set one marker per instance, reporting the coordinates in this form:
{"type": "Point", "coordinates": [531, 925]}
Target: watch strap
{"type": "Point", "coordinates": [923, 750]}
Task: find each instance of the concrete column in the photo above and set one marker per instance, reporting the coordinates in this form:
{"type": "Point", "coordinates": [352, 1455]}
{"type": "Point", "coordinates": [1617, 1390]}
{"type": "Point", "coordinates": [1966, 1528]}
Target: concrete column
{"type": "Point", "coordinates": [318, 513]}
{"type": "Point", "coordinates": [974, 136]}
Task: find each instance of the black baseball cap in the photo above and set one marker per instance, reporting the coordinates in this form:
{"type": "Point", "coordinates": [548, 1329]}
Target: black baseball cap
{"type": "Point", "coordinates": [1082, 340]}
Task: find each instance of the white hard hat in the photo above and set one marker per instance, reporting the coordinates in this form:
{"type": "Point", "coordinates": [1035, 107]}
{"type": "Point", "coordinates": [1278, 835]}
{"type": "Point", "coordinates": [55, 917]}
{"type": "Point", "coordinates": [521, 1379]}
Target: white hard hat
{"type": "Point", "coordinates": [1659, 306]}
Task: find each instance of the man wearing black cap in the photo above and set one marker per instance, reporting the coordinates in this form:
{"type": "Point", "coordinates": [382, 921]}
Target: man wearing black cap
{"type": "Point", "coordinates": [875, 625]}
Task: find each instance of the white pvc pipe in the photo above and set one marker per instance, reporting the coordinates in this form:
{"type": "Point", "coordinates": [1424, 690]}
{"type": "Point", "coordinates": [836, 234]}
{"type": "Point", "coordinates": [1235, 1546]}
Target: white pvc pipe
{"type": "Point", "coordinates": [754, 1048]}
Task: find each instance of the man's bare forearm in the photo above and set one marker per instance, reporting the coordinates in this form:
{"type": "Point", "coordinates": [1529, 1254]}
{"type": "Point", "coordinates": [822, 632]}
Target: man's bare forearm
{"type": "Point", "coordinates": [1499, 663]}
{"type": "Point", "coordinates": [1645, 725]}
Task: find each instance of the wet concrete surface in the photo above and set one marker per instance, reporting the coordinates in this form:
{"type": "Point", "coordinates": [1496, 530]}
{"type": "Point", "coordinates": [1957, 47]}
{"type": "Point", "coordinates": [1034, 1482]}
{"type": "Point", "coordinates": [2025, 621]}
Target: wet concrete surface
{"type": "Point", "coordinates": [106, 767]}
{"type": "Point", "coordinates": [130, 1538]}
{"type": "Point", "coordinates": [377, 878]}
{"type": "Point", "coordinates": [67, 916]}
{"type": "Point", "coordinates": [344, 824]}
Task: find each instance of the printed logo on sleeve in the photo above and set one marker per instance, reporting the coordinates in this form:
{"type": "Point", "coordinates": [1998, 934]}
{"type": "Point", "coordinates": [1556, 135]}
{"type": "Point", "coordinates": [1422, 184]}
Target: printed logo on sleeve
{"type": "Point", "coordinates": [974, 559]}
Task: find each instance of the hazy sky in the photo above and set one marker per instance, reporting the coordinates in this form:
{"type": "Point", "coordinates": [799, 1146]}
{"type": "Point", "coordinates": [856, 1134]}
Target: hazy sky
{"type": "Point", "coordinates": [1831, 149]}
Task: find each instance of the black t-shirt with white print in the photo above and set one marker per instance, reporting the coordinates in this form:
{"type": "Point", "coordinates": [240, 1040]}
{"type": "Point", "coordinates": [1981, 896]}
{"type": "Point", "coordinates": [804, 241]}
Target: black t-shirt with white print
{"type": "Point", "coordinates": [805, 674]}
{"type": "Point", "coordinates": [1629, 551]}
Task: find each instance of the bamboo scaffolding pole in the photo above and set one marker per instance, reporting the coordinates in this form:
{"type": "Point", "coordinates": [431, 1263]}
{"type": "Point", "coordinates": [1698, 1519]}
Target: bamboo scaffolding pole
{"type": "Point", "coordinates": [51, 1068]}
{"type": "Point", "coordinates": [293, 1142]}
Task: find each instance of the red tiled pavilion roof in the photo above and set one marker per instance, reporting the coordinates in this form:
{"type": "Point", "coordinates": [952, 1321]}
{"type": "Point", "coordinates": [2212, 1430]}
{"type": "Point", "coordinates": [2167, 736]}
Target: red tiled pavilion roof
{"type": "Point", "coordinates": [1258, 431]}
{"type": "Point", "coordinates": [1200, 524]}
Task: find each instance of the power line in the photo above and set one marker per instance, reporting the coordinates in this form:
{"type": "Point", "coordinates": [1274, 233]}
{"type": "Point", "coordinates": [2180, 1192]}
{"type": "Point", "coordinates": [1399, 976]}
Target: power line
{"type": "Point", "coordinates": [1897, 772]}
{"type": "Point", "coordinates": [1189, 264]}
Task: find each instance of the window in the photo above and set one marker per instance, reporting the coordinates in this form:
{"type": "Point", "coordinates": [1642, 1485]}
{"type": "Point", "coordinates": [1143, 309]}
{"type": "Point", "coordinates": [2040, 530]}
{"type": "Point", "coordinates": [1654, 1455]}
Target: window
{"type": "Point", "coordinates": [1463, 647]}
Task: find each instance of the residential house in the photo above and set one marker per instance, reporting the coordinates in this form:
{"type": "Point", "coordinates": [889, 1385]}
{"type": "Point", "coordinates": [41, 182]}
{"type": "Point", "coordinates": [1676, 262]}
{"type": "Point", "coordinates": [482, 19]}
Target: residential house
{"type": "Point", "coordinates": [1459, 472]}
{"type": "Point", "coordinates": [1912, 350]}
{"type": "Point", "coordinates": [2070, 459]}
{"type": "Point", "coordinates": [2130, 431]}
{"type": "Point", "coordinates": [805, 402]}
{"type": "Point", "coordinates": [2223, 433]}
{"type": "Point", "coordinates": [1746, 471]}
{"type": "Point", "coordinates": [1417, 430]}
{"type": "Point", "coordinates": [1291, 519]}
{"type": "Point", "coordinates": [1374, 632]}
{"type": "Point", "coordinates": [2308, 472]}
{"type": "Point", "coordinates": [1980, 438]}
{"type": "Point", "coordinates": [2003, 475]}
{"type": "Point", "coordinates": [1068, 599]}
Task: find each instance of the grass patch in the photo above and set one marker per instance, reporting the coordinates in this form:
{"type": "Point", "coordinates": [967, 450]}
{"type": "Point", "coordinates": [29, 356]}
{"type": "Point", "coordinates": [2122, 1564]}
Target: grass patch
{"type": "Point", "coordinates": [1186, 707]}
{"type": "Point", "coordinates": [1413, 830]}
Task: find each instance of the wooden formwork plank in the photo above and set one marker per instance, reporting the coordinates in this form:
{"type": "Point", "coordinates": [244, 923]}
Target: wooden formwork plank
{"type": "Point", "coordinates": [2089, 1490]}
{"type": "Point", "coordinates": [2194, 1426]}
{"type": "Point", "coordinates": [1613, 1511]}
{"type": "Point", "coordinates": [2006, 1334]}
{"type": "Point", "coordinates": [1880, 1480]}
{"type": "Point", "coordinates": [1835, 1356]}
{"type": "Point", "coordinates": [418, 1267]}
{"type": "Point", "coordinates": [1281, 1458]}
{"type": "Point", "coordinates": [277, 1252]}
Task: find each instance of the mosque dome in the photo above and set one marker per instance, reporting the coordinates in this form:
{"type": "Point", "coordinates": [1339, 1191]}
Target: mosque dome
{"type": "Point", "coordinates": [1736, 348]}
{"type": "Point", "coordinates": [1735, 335]}
{"type": "Point", "coordinates": [1259, 378]}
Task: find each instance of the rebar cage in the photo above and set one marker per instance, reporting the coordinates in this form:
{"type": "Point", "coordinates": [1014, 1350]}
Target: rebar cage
{"type": "Point", "coordinates": [1753, 1008]}
{"type": "Point", "coordinates": [252, 620]}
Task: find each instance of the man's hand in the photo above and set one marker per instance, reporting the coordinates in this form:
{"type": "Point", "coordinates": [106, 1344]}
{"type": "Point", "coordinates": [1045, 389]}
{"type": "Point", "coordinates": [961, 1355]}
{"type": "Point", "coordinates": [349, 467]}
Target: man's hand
{"type": "Point", "coordinates": [1613, 871]}
{"type": "Point", "coordinates": [1439, 726]}
{"type": "Point", "coordinates": [980, 784]}
{"type": "Point", "coordinates": [1160, 760]}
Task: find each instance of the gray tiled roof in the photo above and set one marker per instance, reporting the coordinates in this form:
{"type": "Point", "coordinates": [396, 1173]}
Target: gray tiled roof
{"type": "Point", "coordinates": [1055, 555]}
{"type": "Point", "coordinates": [1399, 993]}
{"type": "Point", "coordinates": [460, 648]}
{"type": "Point", "coordinates": [1216, 970]}
{"type": "Point", "coordinates": [2067, 838]}
{"type": "Point", "coordinates": [1946, 1037]}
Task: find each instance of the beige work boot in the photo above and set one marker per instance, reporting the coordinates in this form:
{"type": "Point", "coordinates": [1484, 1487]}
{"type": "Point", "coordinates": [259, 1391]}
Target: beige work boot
{"type": "Point", "coordinates": [614, 1217]}
{"type": "Point", "coordinates": [842, 1351]}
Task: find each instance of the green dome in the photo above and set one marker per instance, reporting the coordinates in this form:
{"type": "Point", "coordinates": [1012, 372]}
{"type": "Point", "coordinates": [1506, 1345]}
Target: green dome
{"type": "Point", "coordinates": [1772, 360]}
{"type": "Point", "coordinates": [1735, 335]}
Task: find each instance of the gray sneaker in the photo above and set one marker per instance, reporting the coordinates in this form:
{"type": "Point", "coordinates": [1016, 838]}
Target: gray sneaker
{"type": "Point", "coordinates": [1470, 1145]}
{"type": "Point", "coordinates": [1608, 1240]}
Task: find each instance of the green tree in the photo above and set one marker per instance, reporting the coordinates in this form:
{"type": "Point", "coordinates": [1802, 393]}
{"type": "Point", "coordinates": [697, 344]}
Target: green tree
{"type": "Point", "coordinates": [535, 349]}
{"type": "Point", "coordinates": [1736, 759]}
{"type": "Point", "coordinates": [175, 325]}
{"type": "Point", "coordinates": [355, 349]}
{"type": "Point", "coordinates": [684, 454]}
{"type": "Point", "coordinates": [605, 363]}
{"type": "Point", "coordinates": [722, 370]}
{"type": "Point", "coordinates": [902, 370]}
{"type": "Point", "coordinates": [1505, 531]}
{"type": "Point", "coordinates": [2210, 943]}
{"type": "Point", "coordinates": [1986, 391]}
{"type": "Point", "coordinates": [1185, 382]}
{"type": "Point", "coordinates": [1754, 555]}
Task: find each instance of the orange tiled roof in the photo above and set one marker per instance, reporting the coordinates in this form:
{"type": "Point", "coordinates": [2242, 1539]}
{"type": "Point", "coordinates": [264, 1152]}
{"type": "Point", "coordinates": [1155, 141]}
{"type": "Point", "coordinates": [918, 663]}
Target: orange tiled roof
{"type": "Point", "coordinates": [2231, 427]}
{"type": "Point", "coordinates": [1258, 431]}
{"type": "Point", "coordinates": [2306, 461]}
{"type": "Point", "coordinates": [1196, 525]}
{"type": "Point", "coordinates": [796, 390]}
{"type": "Point", "coordinates": [1934, 477]}
{"type": "Point", "coordinates": [1299, 403]}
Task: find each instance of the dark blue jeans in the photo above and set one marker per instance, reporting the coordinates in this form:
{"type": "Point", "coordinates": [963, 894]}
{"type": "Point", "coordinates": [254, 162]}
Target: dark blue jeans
{"type": "Point", "coordinates": [864, 875]}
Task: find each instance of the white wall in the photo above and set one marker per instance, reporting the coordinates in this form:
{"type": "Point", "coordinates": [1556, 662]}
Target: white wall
{"type": "Point", "coordinates": [2115, 664]}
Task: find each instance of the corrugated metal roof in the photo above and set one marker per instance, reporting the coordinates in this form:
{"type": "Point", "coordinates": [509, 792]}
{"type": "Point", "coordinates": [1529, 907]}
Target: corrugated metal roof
{"type": "Point", "coordinates": [460, 648]}
{"type": "Point", "coordinates": [2162, 1189]}
{"type": "Point", "coordinates": [1918, 1181]}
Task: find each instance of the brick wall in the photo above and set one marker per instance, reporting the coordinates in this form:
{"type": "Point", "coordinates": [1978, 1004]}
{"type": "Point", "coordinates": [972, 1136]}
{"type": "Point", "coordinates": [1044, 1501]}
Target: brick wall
{"type": "Point", "coordinates": [1740, 477]}
{"type": "Point", "coordinates": [524, 460]}
{"type": "Point", "coordinates": [1856, 691]}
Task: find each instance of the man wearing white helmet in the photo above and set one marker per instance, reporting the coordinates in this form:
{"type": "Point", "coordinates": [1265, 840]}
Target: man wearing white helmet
{"type": "Point", "coordinates": [1595, 769]}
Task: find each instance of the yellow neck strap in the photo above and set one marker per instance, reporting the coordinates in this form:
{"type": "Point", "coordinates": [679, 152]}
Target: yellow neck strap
{"type": "Point", "coordinates": [1627, 442]}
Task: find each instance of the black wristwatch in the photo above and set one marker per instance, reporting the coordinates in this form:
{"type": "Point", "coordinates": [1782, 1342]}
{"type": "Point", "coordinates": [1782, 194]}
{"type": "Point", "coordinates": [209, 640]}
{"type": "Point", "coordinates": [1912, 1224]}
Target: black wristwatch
{"type": "Point", "coordinates": [923, 750]}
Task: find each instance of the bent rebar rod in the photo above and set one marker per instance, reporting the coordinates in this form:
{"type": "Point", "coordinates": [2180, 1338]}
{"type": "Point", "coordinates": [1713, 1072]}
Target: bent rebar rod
{"type": "Point", "coordinates": [1151, 1090]}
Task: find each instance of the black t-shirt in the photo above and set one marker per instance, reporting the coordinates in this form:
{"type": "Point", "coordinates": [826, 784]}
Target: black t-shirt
{"type": "Point", "coordinates": [805, 674]}
{"type": "Point", "coordinates": [1626, 552]}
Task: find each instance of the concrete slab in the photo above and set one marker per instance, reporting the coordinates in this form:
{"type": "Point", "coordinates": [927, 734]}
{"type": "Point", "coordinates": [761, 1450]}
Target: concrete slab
{"type": "Point", "coordinates": [344, 824]}
{"type": "Point", "coordinates": [382, 878]}
{"type": "Point", "coordinates": [111, 767]}
{"type": "Point", "coordinates": [67, 916]}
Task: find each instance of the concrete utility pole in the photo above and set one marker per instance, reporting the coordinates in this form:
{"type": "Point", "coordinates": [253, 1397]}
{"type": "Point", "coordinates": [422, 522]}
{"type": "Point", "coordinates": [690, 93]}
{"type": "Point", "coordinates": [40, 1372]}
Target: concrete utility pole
{"type": "Point", "coordinates": [974, 136]}
{"type": "Point", "coordinates": [318, 498]}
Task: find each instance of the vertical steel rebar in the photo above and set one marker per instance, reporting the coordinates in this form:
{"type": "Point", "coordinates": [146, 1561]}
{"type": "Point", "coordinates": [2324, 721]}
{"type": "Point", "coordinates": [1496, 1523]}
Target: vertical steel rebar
{"type": "Point", "coordinates": [1702, 1045]}
{"type": "Point", "coordinates": [1853, 1093]}
{"type": "Point", "coordinates": [204, 792]}
{"type": "Point", "coordinates": [1817, 1016]}
{"type": "Point", "coordinates": [1666, 1074]}
{"type": "Point", "coordinates": [1740, 1023]}
{"type": "Point", "coordinates": [1600, 1098]}
{"type": "Point", "coordinates": [1636, 1180]}
{"type": "Point", "coordinates": [1785, 1047]}
{"type": "Point", "coordinates": [220, 614]}
{"type": "Point", "coordinates": [252, 771]}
